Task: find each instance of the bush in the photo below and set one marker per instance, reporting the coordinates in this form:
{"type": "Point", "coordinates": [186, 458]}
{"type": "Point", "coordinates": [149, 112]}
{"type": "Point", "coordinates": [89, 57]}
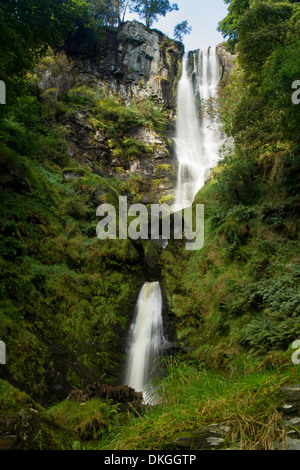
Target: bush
{"type": "Point", "coordinates": [237, 180]}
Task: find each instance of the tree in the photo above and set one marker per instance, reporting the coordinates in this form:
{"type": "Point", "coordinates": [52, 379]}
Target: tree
{"type": "Point", "coordinates": [28, 27]}
{"type": "Point", "coordinates": [150, 10]}
{"type": "Point", "coordinates": [107, 12]}
{"type": "Point", "coordinates": [181, 30]}
{"type": "Point", "coordinates": [228, 26]}
{"type": "Point", "coordinates": [261, 30]}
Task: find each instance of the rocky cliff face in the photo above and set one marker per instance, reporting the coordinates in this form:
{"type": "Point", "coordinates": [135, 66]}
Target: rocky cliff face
{"type": "Point", "coordinates": [132, 64]}
{"type": "Point", "coordinates": [227, 60]}
{"type": "Point", "coordinates": [150, 172]}
{"type": "Point", "coordinates": [136, 62]}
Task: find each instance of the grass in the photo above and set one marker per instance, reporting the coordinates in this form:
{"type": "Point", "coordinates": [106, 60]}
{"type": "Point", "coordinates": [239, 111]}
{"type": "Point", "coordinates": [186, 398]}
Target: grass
{"type": "Point", "coordinates": [89, 420]}
{"type": "Point", "coordinates": [193, 398]}
{"type": "Point", "coordinates": [13, 400]}
{"type": "Point", "coordinates": [190, 399]}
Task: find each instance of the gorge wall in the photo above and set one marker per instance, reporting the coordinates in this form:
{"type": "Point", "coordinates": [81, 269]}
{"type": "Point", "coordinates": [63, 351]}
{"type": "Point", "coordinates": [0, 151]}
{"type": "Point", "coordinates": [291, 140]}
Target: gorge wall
{"type": "Point", "coordinates": [131, 64]}
{"type": "Point", "coordinates": [136, 63]}
{"type": "Point", "coordinates": [92, 130]}
{"type": "Point", "coordinates": [99, 123]}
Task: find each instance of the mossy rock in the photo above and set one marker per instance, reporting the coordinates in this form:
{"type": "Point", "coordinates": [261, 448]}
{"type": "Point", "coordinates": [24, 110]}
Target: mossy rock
{"type": "Point", "coordinates": [38, 431]}
{"type": "Point", "coordinates": [12, 401]}
{"type": "Point", "coordinates": [71, 173]}
{"type": "Point", "coordinates": [210, 438]}
{"type": "Point", "coordinates": [99, 189]}
{"type": "Point", "coordinates": [168, 199]}
{"type": "Point", "coordinates": [163, 170]}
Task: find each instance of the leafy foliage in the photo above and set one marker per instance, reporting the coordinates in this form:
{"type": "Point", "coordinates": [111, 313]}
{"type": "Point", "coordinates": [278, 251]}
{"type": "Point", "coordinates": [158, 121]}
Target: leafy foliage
{"type": "Point", "coordinates": [261, 30]}
{"type": "Point", "coordinates": [228, 26]}
{"type": "Point", "coordinates": [150, 10]}
{"type": "Point", "coordinates": [181, 30]}
{"type": "Point", "coordinates": [28, 27]}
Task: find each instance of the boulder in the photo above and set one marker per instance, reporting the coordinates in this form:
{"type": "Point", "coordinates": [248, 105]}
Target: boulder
{"type": "Point", "coordinates": [38, 431]}
{"type": "Point", "coordinates": [291, 398]}
{"type": "Point", "coordinates": [209, 438]}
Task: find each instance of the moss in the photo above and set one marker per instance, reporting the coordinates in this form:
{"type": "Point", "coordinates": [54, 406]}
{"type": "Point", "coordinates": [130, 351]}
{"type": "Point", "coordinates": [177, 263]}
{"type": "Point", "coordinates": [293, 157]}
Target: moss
{"type": "Point", "coordinates": [12, 400]}
{"type": "Point", "coordinates": [164, 80]}
{"type": "Point", "coordinates": [74, 171]}
{"type": "Point", "coordinates": [233, 305]}
{"type": "Point", "coordinates": [160, 183]}
{"type": "Point", "coordinates": [82, 94]}
{"type": "Point", "coordinates": [88, 420]}
{"type": "Point", "coordinates": [169, 199]}
{"type": "Point", "coordinates": [37, 430]}
{"type": "Point", "coordinates": [163, 167]}
{"type": "Point", "coordinates": [56, 299]}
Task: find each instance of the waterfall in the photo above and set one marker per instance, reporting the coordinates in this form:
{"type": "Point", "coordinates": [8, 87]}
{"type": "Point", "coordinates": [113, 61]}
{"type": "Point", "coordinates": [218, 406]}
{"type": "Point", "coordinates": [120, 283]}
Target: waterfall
{"type": "Point", "coordinates": [198, 138]}
{"type": "Point", "coordinates": [146, 338]}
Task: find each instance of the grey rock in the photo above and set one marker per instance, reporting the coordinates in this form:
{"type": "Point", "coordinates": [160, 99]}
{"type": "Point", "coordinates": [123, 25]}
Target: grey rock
{"type": "Point", "coordinates": [291, 398]}
{"type": "Point", "coordinates": [227, 60]}
{"type": "Point", "coordinates": [139, 63]}
{"type": "Point", "coordinates": [209, 438]}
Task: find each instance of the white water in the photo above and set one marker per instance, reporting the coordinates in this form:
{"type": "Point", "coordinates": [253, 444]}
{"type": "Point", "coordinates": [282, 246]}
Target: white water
{"type": "Point", "coordinates": [146, 338]}
{"type": "Point", "coordinates": [198, 139]}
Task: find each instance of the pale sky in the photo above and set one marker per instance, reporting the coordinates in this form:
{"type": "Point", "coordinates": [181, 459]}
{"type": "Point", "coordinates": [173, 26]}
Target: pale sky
{"type": "Point", "coordinates": [202, 15]}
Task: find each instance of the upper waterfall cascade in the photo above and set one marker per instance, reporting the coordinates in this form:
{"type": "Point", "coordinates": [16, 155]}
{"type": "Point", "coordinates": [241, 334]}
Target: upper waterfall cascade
{"type": "Point", "coordinates": [198, 138]}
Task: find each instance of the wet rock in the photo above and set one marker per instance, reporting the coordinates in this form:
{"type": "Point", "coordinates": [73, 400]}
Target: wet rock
{"type": "Point", "coordinates": [37, 431]}
{"type": "Point", "coordinates": [209, 438]}
{"type": "Point", "coordinates": [293, 427]}
{"type": "Point", "coordinates": [293, 444]}
{"type": "Point", "coordinates": [291, 398]}
{"type": "Point", "coordinates": [291, 417]}
{"type": "Point", "coordinates": [149, 136]}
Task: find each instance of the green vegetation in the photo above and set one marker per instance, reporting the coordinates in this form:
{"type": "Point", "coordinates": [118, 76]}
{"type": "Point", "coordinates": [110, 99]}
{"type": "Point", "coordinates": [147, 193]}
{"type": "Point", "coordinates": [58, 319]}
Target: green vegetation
{"type": "Point", "coordinates": [28, 27]}
{"type": "Point", "coordinates": [90, 420]}
{"type": "Point", "coordinates": [228, 26]}
{"type": "Point", "coordinates": [52, 266]}
{"type": "Point", "coordinates": [66, 299]}
{"type": "Point", "coordinates": [193, 397]}
{"type": "Point", "coordinates": [243, 286]}
{"type": "Point", "coordinates": [181, 29]}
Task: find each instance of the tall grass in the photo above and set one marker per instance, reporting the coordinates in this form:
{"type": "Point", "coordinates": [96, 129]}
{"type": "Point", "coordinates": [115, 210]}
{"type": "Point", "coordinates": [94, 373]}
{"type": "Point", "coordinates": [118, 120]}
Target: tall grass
{"type": "Point", "coordinates": [192, 398]}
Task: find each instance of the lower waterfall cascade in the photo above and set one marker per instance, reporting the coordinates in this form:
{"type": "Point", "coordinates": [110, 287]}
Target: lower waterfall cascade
{"type": "Point", "coordinates": [198, 140]}
{"type": "Point", "coordinates": [145, 338]}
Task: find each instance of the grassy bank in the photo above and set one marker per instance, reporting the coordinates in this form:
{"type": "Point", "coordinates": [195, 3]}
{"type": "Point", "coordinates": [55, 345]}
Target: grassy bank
{"type": "Point", "coordinates": [193, 398]}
